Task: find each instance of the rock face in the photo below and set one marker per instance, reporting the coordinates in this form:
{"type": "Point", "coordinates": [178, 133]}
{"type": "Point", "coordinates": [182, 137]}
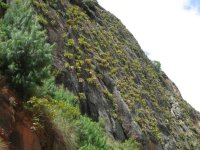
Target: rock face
{"type": "Point", "coordinates": [17, 129]}
{"type": "Point", "coordinates": [99, 60]}
{"type": "Point", "coordinates": [15, 124]}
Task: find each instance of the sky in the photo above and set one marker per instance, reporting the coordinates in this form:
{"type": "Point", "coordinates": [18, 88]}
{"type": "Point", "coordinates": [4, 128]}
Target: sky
{"type": "Point", "coordinates": [169, 32]}
{"type": "Point", "coordinates": [193, 4]}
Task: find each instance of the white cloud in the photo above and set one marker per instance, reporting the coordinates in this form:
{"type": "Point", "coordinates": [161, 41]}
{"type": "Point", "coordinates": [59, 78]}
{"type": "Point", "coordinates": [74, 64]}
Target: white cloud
{"type": "Point", "coordinates": [170, 34]}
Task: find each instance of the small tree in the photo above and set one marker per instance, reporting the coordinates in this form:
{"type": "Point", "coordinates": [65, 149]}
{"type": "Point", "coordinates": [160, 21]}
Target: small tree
{"type": "Point", "coordinates": [25, 56]}
{"type": "Point", "coordinates": [157, 65]}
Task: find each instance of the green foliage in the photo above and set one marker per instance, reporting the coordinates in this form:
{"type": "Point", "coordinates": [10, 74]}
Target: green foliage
{"type": "Point", "coordinates": [91, 135]}
{"type": "Point", "coordinates": [56, 92]}
{"type": "Point", "coordinates": [37, 106]}
{"type": "Point", "coordinates": [69, 55]}
{"type": "Point", "coordinates": [101, 46]}
{"type": "Point", "coordinates": [89, 3]}
{"type": "Point", "coordinates": [62, 115]}
{"type": "Point", "coordinates": [108, 95]}
{"type": "Point", "coordinates": [42, 20]}
{"type": "Point", "coordinates": [82, 41]}
{"type": "Point", "coordinates": [91, 81]}
{"type": "Point", "coordinates": [88, 147]}
{"type": "Point", "coordinates": [25, 56]}
{"type": "Point", "coordinates": [157, 65]}
{"type": "Point", "coordinates": [3, 5]}
{"type": "Point", "coordinates": [78, 131]}
{"type": "Point", "coordinates": [82, 96]}
{"type": "Point", "coordinates": [129, 145]}
{"type": "Point", "coordinates": [70, 42]}
{"type": "Point", "coordinates": [37, 4]}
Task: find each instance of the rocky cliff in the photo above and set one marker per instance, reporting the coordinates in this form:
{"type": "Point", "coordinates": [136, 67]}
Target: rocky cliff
{"type": "Point", "coordinates": [101, 62]}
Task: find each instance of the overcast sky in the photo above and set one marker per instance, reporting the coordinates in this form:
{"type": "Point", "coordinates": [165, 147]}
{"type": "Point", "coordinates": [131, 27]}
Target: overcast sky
{"type": "Point", "coordinates": [169, 31]}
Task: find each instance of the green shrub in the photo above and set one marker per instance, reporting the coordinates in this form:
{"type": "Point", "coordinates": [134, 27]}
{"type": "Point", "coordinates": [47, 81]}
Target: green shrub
{"type": "Point", "coordinates": [130, 145]}
{"type": "Point", "coordinates": [91, 135]}
{"type": "Point", "coordinates": [70, 43]}
{"type": "Point", "coordinates": [61, 114]}
{"type": "Point", "coordinates": [78, 131]}
{"type": "Point", "coordinates": [52, 107]}
{"type": "Point", "coordinates": [157, 65]}
{"type": "Point", "coordinates": [58, 92]}
{"type": "Point", "coordinates": [25, 56]}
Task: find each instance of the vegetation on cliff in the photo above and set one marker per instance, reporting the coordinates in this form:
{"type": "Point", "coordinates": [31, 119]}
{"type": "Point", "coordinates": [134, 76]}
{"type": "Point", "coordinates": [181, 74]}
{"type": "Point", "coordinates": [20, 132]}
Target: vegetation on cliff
{"type": "Point", "coordinates": [100, 62]}
{"type": "Point", "coordinates": [105, 67]}
{"type": "Point", "coordinates": [26, 63]}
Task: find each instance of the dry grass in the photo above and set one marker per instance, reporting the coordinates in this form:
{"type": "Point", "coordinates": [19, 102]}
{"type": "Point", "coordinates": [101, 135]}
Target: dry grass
{"type": "Point", "coordinates": [3, 145]}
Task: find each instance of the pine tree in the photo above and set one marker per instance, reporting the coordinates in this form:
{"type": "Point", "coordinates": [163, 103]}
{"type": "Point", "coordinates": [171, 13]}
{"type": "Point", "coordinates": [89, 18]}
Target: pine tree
{"type": "Point", "coordinates": [25, 56]}
{"type": "Point", "coordinates": [3, 5]}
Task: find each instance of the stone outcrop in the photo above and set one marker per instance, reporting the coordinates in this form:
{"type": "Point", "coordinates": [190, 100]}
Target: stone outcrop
{"type": "Point", "coordinates": [15, 124]}
{"type": "Point", "coordinates": [101, 62]}
{"type": "Point", "coordinates": [103, 65]}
